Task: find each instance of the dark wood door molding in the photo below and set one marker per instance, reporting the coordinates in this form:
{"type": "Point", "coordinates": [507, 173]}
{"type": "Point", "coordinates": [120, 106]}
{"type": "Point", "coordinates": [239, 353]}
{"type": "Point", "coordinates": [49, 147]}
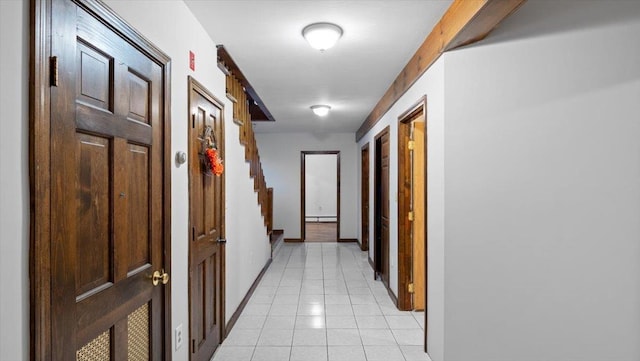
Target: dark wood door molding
{"type": "Point", "coordinates": [99, 153]}
{"type": "Point", "coordinates": [303, 154]}
{"type": "Point", "coordinates": [364, 198]}
{"type": "Point", "coordinates": [206, 225]}
{"type": "Point", "coordinates": [381, 205]}
{"type": "Point", "coordinates": [464, 23]}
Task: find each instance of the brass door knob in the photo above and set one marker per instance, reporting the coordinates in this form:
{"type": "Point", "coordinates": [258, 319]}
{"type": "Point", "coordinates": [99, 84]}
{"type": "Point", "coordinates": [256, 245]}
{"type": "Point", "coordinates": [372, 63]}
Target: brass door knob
{"type": "Point", "coordinates": [160, 277]}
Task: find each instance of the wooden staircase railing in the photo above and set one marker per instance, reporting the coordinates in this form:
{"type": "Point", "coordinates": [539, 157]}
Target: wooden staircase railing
{"type": "Point", "coordinates": [237, 93]}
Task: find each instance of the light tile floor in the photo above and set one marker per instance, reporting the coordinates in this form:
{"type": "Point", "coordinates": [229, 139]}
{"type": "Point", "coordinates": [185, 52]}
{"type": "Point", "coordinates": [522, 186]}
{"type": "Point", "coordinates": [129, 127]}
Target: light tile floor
{"type": "Point", "coordinates": [319, 302]}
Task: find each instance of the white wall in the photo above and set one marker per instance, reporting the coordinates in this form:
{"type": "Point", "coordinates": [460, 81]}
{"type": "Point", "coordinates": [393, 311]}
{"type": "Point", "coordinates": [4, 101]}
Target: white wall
{"type": "Point", "coordinates": [280, 156]}
{"type": "Point", "coordinates": [321, 188]}
{"type": "Point", "coordinates": [542, 187]}
{"type": "Point", "coordinates": [431, 84]}
{"type": "Point", "coordinates": [247, 247]}
{"type": "Point", "coordinates": [14, 180]}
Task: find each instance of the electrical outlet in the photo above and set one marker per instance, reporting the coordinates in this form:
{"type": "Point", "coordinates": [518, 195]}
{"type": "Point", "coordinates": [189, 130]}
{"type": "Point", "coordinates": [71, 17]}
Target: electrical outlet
{"type": "Point", "coordinates": [178, 337]}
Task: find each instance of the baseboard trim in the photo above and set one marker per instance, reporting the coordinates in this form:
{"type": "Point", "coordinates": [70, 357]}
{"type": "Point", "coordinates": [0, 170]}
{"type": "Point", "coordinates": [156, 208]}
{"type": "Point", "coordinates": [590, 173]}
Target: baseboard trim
{"type": "Point", "coordinates": [292, 240]}
{"type": "Point", "coordinates": [276, 234]}
{"type": "Point", "coordinates": [393, 297]}
{"type": "Point", "coordinates": [245, 300]}
{"type": "Point", "coordinates": [348, 240]}
{"type": "Point", "coordinates": [276, 239]}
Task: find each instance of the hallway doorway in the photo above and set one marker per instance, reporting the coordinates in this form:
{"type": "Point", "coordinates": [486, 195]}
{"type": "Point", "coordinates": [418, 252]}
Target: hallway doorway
{"type": "Point", "coordinates": [381, 204]}
{"type": "Point", "coordinates": [320, 196]}
{"type": "Point", "coordinates": [412, 198]}
{"type": "Point", "coordinates": [364, 198]}
{"type": "Point", "coordinates": [206, 224]}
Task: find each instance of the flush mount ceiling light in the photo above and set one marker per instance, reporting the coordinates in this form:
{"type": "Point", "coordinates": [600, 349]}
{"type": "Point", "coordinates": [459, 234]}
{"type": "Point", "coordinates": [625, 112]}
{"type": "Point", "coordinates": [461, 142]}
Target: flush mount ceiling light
{"type": "Point", "coordinates": [322, 36]}
{"type": "Point", "coordinates": [320, 110]}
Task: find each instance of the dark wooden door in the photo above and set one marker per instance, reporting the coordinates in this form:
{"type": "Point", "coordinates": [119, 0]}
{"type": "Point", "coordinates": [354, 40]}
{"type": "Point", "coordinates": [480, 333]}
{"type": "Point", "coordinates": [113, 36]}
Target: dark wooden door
{"type": "Point", "coordinates": [107, 193]}
{"type": "Point", "coordinates": [382, 205]}
{"type": "Point", "coordinates": [364, 196]}
{"type": "Point", "coordinates": [206, 215]}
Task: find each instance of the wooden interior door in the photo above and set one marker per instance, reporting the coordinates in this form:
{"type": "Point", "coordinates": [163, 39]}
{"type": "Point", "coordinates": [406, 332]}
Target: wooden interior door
{"type": "Point", "coordinates": [364, 197]}
{"type": "Point", "coordinates": [418, 229]}
{"type": "Point", "coordinates": [382, 206]}
{"type": "Point", "coordinates": [206, 218]}
{"type": "Point", "coordinates": [411, 207]}
{"type": "Point", "coordinates": [109, 206]}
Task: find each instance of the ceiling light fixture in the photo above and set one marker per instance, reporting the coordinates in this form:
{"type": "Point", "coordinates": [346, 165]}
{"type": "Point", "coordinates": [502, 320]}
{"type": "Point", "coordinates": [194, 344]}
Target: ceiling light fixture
{"type": "Point", "coordinates": [322, 36]}
{"type": "Point", "coordinates": [320, 110]}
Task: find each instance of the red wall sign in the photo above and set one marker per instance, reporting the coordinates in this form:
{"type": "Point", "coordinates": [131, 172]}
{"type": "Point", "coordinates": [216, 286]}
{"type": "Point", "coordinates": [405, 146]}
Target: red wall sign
{"type": "Point", "coordinates": [192, 60]}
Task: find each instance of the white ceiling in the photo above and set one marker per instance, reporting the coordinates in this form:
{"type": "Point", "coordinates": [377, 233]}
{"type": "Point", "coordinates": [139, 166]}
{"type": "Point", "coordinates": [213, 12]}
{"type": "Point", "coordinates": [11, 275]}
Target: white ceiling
{"type": "Point", "coordinates": [264, 39]}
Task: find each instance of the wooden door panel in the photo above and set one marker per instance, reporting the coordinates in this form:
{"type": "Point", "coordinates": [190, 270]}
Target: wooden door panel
{"type": "Point", "coordinates": [93, 259]}
{"type": "Point", "coordinates": [137, 164]}
{"type": "Point", "coordinates": [198, 302]}
{"type": "Point", "coordinates": [139, 97]}
{"type": "Point", "coordinates": [212, 311]}
{"type": "Point", "coordinates": [95, 77]}
{"type": "Point", "coordinates": [205, 214]}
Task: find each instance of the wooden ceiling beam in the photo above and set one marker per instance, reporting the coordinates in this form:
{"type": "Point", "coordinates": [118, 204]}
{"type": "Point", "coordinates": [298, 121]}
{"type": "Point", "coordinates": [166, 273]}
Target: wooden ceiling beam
{"type": "Point", "coordinates": [465, 22]}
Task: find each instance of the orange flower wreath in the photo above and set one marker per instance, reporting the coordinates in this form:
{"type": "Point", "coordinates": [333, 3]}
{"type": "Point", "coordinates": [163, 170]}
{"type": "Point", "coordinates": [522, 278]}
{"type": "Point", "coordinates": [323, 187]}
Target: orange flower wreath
{"type": "Point", "coordinates": [214, 162]}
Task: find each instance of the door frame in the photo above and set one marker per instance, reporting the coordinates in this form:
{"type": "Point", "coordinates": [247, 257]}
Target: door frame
{"type": "Point", "coordinates": [364, 197]}
{"type": "Point", "coordinates": [40, 166]}
{"type": "Point", "coordinates": [405, 245]}
{"type": "Point", "coordinates": [303, 202]}
{"type": "Point", "coordinates": [405, 249]}
{"type": "Point", "coordinates": [195, 86]}
{"type": "Point", "coordinates": [378, 247]}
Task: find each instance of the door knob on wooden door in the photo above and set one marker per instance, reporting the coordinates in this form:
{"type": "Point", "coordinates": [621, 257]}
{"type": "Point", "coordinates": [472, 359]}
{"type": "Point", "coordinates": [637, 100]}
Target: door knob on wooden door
{"type": "Point", "coordinates": [160, 277]}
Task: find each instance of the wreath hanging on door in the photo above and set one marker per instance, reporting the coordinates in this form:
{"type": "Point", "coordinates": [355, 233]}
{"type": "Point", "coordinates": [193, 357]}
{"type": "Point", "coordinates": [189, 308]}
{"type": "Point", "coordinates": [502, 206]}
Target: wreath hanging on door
{"type": "Point", "coordinates": [211, 161]}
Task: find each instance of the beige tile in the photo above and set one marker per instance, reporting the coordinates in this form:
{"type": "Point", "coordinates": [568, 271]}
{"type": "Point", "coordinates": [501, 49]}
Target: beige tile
{"type": "Point", "coordinates": [383, 353]}
{"type": "Point", "coordinates": [346, 353]}
{"type": "Point", "coordinates": [233, 353]}
{"type": "Point", "coordinates": [276, 337]}
{"type": "Point", "coordinates": [343, 337]}
{"type": "Point", "coordinates": [310, 337]}
{"type": "Point", "coordinates": [310, 322]}
{"type": "Point", "coordinates": [309, 353]}
{"type": "Point", "coordinates": [271, 353]}
{"type": "Point", "coordinates": [345, 321]}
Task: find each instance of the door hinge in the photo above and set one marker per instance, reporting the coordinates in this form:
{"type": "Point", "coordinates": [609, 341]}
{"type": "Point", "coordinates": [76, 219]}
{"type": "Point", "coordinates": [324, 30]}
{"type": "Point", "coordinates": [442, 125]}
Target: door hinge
{"type": "Point", "coordinates": [411, 144]}
{"type": "Point", "coordinates": [411, 288]}
{"type": "Point", "coordinates": [193, 346]}
{"type": "Point", "coordinates": [410, 216]}
{"type": "Point", "coordinates": [53, 61]}
{"type": "Point", "coordinates": [193, 233]}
